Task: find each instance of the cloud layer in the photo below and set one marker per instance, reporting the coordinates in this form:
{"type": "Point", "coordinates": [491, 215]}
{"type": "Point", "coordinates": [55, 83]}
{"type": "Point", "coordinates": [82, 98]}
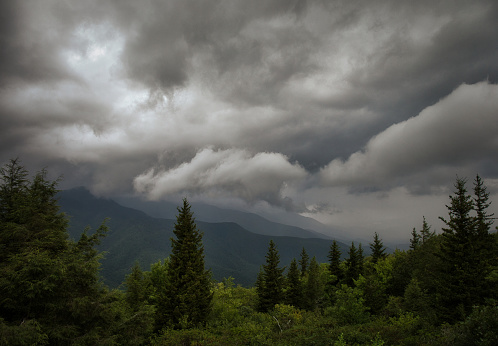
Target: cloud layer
{"type": "Point", "coordinates": [225, 173]}
{"type": "Point", "coordinates": [459, 133]}
{"type": "Point", "coordinates": [290, 104]}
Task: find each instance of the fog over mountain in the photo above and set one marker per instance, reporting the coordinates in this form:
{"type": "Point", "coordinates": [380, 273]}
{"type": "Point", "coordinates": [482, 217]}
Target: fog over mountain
{"type": "Point", "coordinates": [357, 114]}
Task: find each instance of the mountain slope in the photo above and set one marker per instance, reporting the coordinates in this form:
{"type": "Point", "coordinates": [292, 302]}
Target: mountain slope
{"type": "Point", "coordinates": [230, 250]}
{"type": "Point", "coordinates": [208, 213]}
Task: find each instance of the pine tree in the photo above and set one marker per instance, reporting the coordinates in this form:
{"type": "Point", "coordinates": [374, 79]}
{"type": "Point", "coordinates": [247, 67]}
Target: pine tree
{"type": "Point", "coordinates": [313, 290]}
{"type": "Point", "coordinates": [360, 259]}
{"type": "Point", "coordinates": [378, 249]}
{"type": "Point", "coordinates": [415, 241]}
{"type": "Point", "coordinates": [136, 292]}
{"type": "Point", "coordinates": [303, 262]}
{"type": "Point", "coordinates": [485, 250]}
{"type": "Point", "coordinates": [188, 283]}
{"type": "Point", "coordinates": [352, 266]}
{"type": "Point", "coordinates": [44, 277]}
{"type": "Point", "coordinates": [425, 232]}
{"type": "Point", "coordinates": [271, 281]}
{"type": "Point", "coordinates": [294, 293]}
{"type": "Point", "coordinates": [463, 252]}
{"type": "Point", "coordinates": [335, 270]}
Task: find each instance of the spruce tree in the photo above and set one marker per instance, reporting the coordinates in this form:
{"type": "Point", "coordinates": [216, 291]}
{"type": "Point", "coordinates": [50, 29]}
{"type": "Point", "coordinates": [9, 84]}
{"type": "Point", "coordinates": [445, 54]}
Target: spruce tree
{"type": "Point", "coordinates": [45, 278]}
{"type": "Point", "coordinates": [360, 259]}
{"type": "Point", "coordinates": [136, 291]}
{"type": "Point", "coordinates": [352, 265]}
{"type": "Point", "coordinates": [294, 294]}
{"type": "Point", "coordinates": [377, 248]}
{"type": "Point", "coordinates": [335, 270]}
{"type": "Point", "coordinates": [415, 240]}
{"type": "Point", "coordinates": [425, 232]}
{"type": "Point", "coordinates": [188, 302]}
{"type": "Point", "coordinates": [303, 262]}
{"type": "Point", "coordinates": [464, 254]}
{"type": "Point", "coordinates": [271, 280]}
{"type": "Point", "coordinates": [314, 288]}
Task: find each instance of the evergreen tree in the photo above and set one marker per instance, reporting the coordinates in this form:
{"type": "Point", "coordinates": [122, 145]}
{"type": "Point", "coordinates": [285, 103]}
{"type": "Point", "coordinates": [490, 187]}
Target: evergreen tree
{"type": "Point", "coordinates": [335, 269]}
{"type": "Point", "coordinates": [352, 266]}
{"type": "Point", "coordinates": [415, 240]}
{"type": "Point", "coordinates": [46, 279]}
{"type": "Point", "coordinates": [485, 250]}
{"type": "Point", "coordinates": [463, 252]}
{"type": "Point", "coordinates": [294, 294]}
{"type": "Point", "coordinates": [360, 259]}
{"type": "Point", "coordinates": [136, 291]}
{"type": "Point", "coordinates": [303, 262]}
{"type": "Point", "coordinates": [425, 232]}
{"type": "Point", "coordinates": [188, 302]}
{"type": "Point", "coordinates": [378, 249]}
{"type": "Point", "coordinates": [271, 280]}
{"type": "Point", "coordinates": [313, 286]}
{"type": "Point", "coordinates": [13, 192]}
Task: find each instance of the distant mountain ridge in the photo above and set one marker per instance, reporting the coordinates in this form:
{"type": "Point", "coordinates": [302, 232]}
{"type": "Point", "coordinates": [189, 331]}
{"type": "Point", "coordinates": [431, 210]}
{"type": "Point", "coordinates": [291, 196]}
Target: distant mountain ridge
{"type": "Point", "coordinates": [230, 249]}
{"type": "Point", "coordinates": [203, 212]}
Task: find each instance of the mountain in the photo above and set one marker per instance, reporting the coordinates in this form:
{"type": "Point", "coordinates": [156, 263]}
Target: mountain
{"type": "Point", "coordinates": [208, 213]}
{"type": "Point", "coordinates": [230, 250]}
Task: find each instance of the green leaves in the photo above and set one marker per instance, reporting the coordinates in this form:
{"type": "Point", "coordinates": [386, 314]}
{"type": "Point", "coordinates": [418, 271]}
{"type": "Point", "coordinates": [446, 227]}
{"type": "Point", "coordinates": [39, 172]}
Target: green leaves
{"type": "Point", "coordinates": [188, 299]}
{"type": "Point", "coordinates": [271, 280]}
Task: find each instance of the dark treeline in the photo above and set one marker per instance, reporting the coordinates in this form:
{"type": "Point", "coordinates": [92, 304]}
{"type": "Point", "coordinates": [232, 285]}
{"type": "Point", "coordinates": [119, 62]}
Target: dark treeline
{"type": "Point", "coordinates": [443, 291]}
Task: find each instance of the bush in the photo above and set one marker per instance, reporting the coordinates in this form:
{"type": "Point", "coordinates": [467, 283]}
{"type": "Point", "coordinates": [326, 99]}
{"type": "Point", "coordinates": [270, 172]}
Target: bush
{"type": "Point", "coordinates": [349, 307]}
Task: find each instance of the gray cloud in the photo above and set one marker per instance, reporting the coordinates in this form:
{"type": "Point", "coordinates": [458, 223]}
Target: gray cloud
{"type": "Point", "coordinates": [459, 131]}
{"type": "Point", "coordinates": [370, 97]}
{"type": "Point", "coordinates": [225, 173]}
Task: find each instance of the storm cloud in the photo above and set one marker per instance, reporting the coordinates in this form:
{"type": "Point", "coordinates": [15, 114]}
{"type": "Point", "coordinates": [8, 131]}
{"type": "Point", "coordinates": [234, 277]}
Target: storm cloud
{"type": "Point", "coordinates": [330, 108]}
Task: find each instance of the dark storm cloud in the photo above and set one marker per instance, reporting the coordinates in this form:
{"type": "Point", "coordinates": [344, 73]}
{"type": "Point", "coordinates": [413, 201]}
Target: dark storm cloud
{"type": "Point", "coordinates": [458, 134]}
{"type": "Point", "coordinates": [23, 55]}
{"type": "Point", "coordinates": [270, 97]}
{"type": "Point", "coordinates": [240, 50]}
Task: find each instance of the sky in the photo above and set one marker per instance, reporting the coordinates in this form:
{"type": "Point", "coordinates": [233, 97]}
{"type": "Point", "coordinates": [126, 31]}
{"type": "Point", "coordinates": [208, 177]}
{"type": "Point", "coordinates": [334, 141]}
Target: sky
{"type": "Point", "coordinates": [359, 114]}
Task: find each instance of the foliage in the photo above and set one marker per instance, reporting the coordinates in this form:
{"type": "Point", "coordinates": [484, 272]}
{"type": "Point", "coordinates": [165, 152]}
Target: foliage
{"type": "Point", "coordinates": [314, 287]}
{"type": "Point", "coordinates": [465, 252]}
{"type": "Point", "coordinates": [378, 249]}
{"type": "Point", "coordinates": [349, 307]}
{"type": "Point", "coordinates": [303, 262]}
{"type": "Point", "coordinates": [335, 269]}
{"type": "Point", "coordinates": [271, 281]}
{"type": "Point", "coordinates": [294, 294]}
{"type": "Point", "coordinates": [51, 293]}
{"type": "Point", "coordinates": [479, 328]}
{"type": "Point", "coordinates": [187, 301]}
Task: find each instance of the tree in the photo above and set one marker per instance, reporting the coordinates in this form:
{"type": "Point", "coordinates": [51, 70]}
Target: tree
{"type": "Point", "coordinates": [13, 191]}
{"type": "Point", "coordinates": [271, 280]}
{"type": "Point", "coordinates": [465, 253]}
{"type": "Point", "coordinates": [136, 290]}
{"type": "Point", "coordinates": [46, 279]}
{"type": "Point", "coordinates": [304, 262]}
{"type": "Point", "coordinates": [294, 294]}
{"type": "Point", "coordinates": [360, 259]}
{"type": "Point", "coordinates": [425, 232]}
{"type": "Point", "coordinates": [313, 287]}
{"type": "Point", "coordinates": [188, 284]}
{"type": "Point", "coordinates": [378, 249]}
{"type": "Point", "coordinates": [415, 241]}
{"type": "Point", "coordinates": [352, 265]}
{"type": "Point", "coordinates": [335, 270]}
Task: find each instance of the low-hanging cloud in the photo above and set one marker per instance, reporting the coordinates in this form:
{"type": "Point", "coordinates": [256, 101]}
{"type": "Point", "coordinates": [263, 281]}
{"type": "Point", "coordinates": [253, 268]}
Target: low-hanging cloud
{"type": "Point", "coordinates": [230, 172]}
{"type": "Point", "coordinates": [460, 130]}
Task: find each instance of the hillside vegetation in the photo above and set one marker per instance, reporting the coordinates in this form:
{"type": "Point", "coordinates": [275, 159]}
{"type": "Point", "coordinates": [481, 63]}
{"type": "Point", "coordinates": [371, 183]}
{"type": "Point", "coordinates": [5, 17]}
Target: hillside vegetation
{"type": "Point", "coordinates": [443, 291]}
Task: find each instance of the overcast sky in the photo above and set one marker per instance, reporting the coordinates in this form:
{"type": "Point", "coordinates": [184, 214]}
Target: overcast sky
{"type": "Point", "coordinates": [358, 113]}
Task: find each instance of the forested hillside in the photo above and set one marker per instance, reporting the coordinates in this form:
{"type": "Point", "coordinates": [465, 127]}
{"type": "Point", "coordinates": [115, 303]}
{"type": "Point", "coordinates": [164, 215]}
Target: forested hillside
{"type": "Point", "coordinates": [134, 236]}
{"type": "Point", "coordinates": [443, 291]}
